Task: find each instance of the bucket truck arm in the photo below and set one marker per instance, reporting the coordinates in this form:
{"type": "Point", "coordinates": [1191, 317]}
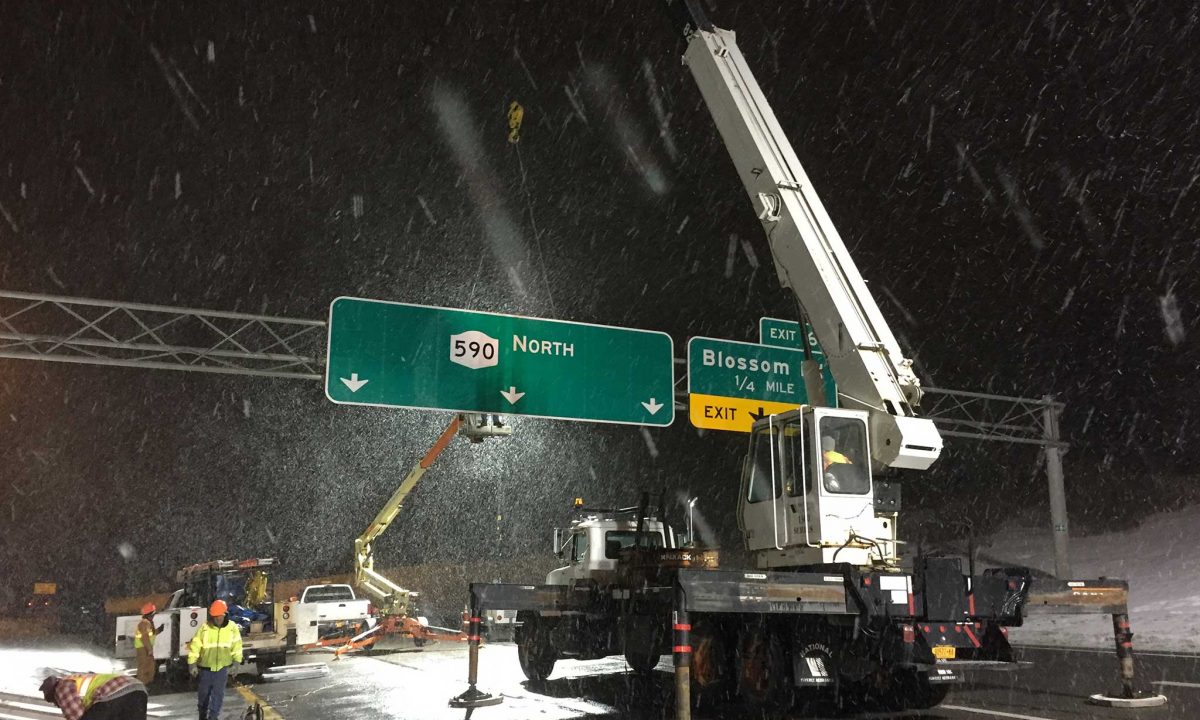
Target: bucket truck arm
{"type": "Point", "coordinates": [388, 597]}
{"type": "Point", "coordinates": [810, 257]}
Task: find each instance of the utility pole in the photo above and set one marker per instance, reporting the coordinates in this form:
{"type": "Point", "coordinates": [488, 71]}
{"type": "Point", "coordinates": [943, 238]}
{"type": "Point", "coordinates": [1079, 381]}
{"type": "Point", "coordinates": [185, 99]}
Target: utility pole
{"type": "Point", "coordinates": [1058, 495]}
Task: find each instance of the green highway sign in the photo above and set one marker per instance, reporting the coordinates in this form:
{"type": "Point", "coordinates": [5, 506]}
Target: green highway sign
{"type": "Point", "coordinates": [415, 356]}
{"type": "Point", "coordinates": [729, 368]}
{"type": "Point", "coordinates": [787, 333]}
{"type": "Point", "coordinates": [731, 384]}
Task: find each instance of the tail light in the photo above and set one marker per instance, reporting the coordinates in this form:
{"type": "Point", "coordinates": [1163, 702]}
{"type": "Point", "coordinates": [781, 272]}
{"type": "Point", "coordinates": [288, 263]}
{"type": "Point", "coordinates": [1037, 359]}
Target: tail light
{"type": "Point", "coordinates": [909, 633]}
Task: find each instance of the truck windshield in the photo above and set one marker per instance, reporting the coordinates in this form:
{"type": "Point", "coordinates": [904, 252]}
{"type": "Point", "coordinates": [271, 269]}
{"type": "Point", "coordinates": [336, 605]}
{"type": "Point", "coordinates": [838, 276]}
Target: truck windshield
{"type": "Point", "coordinates": [844, 460]}
{"type": "Point", "coordinates": [617, 540]}
{"type": "Point", "coordinates": [328, 593]}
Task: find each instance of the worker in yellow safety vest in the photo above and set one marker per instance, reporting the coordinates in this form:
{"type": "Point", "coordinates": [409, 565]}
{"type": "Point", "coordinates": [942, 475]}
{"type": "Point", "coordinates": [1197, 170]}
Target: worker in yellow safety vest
{"type": "Point", "coordinates": [143, 642]}
{"type": "Point", "coordinates": [96, 696]}
{"type": "Point", "coordinates": [830, 456]}
{"type": "Point", "coordinates": [216, 646]}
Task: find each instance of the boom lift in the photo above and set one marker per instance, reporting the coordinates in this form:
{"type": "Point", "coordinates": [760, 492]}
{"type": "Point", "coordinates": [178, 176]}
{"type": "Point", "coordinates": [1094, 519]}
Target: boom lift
{"type": "Point", "coordinates": [393, 604]}
{"type": "Point", "coordinates": [829, 605]}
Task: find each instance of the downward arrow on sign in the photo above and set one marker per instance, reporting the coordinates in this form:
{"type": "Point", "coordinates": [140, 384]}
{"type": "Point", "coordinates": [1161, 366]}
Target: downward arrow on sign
{"type": "Point", "coordinates": [354, 383]}
{"type": "Point", "coordinates": [511, 395]}
{"type": "Point", "coordinates": [653, 406]}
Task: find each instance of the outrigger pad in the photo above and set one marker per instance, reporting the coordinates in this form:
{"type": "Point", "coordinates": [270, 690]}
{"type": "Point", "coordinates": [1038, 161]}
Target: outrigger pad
{"type": "Point", "coordinates": [474, 698]}
{"type": "Point", "coordinates": [1141, 700]}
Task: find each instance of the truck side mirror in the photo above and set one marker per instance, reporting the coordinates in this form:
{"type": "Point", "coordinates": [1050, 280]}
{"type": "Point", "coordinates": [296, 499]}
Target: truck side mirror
{"type": "Point", "coordinates": [558, 542]}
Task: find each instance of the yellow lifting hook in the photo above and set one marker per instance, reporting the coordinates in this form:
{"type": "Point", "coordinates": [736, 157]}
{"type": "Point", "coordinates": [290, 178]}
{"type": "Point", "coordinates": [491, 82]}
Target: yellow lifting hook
{"type": "Point", "coordinates": [516, 114]}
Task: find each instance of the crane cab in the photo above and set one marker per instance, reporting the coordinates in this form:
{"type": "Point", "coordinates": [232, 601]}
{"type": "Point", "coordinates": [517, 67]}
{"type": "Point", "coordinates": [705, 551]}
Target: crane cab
{"type": "Point", "coordinates": [807, 494]}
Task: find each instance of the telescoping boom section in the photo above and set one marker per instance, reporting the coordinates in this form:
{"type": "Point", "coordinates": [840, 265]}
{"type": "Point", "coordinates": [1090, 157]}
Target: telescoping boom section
{"type": "Point", "coordinates": [810, 257]}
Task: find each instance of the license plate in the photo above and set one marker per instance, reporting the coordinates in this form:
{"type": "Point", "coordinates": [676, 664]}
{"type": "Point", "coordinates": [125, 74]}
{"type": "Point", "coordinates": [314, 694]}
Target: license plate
{"type": "Point", "coordinates": [943, 652]}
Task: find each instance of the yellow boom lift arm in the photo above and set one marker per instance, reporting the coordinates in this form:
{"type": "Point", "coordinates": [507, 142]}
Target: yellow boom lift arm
{"type": "Point", "coordinates": [389, 598]}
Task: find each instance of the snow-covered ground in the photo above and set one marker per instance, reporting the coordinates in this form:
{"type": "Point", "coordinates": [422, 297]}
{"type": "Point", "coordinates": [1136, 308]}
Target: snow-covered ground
{"type": "Point", "coordinates": [1159, 558]}
{"type": "Point", "coordinates": [23, 668]}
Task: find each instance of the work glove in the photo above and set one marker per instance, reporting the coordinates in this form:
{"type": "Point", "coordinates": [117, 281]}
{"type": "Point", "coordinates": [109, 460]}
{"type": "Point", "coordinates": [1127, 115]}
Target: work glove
{"type": "Point", "coordinates": [193, 670]}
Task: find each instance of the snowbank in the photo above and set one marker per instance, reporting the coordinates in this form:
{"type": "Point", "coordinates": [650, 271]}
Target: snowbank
{"type": "Point", "coordinates": [23, 669]}
{"type": "Point", "coordinates": [1160, 560]}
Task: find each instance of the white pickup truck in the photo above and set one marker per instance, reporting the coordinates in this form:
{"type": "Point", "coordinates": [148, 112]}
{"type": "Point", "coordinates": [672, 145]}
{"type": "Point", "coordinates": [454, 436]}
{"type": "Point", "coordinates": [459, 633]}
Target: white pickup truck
{"type": "Point", "coordinates": [334, 609]}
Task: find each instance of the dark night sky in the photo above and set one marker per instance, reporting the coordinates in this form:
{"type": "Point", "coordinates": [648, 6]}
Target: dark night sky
{"type": "Point", "coordinates": [1016, 180]}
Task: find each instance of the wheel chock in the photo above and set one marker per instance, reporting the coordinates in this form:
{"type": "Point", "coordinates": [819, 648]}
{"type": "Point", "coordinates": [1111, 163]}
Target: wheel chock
{"type": "Point", "coordinates": [1139, 700]}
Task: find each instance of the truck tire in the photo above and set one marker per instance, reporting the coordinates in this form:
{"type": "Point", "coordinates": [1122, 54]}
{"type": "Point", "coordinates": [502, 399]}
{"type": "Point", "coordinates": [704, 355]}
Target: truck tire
{"type": "Point", "coordinates": [712, 663]}
{"type": "Point", "coordinates": [764, 675]}
{"type": "Point", "coordinates": [642, 663]}
{"type": "Point", "coordinates": [176, 674]}
{"type": "Point", "coordinates": [913, 691]}
{"type": "Point", "coordinates": [641, 641]}
{"type": "Point", "coordinates": [535, 652]}
{"type": "Point", "coordinates": [265, 662]}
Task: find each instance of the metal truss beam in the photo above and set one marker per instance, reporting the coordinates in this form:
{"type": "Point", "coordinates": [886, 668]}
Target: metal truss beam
{"type": "Point", "coordinates": [981, 416]}
{"type": "Point", "coordinates": [99, 332]}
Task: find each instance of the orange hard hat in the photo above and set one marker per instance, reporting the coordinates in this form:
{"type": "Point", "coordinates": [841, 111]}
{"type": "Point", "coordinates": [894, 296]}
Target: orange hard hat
{"type": "Point", "coordinates": [218, 608]}
{"type": "Point", "coordinates": [148, 608]}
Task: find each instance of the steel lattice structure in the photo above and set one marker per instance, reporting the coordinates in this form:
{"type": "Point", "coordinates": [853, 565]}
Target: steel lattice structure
{"type": "Point", "coordinates": [99, 332]}
{"type": "Point", "coordinates": [981, 416]}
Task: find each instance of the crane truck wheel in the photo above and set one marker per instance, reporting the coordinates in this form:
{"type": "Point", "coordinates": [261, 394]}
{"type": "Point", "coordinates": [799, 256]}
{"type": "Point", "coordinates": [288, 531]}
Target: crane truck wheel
{"type": "Point", "coordinates": [642, 663]}
{"type": "Point", "coordinates": [764, 677]}
{"type": "Point", "coordinates": [642, 642]}
{"type": "Point", "coordinates": [535, 651]}
{"type": "Point", "coordinates": [913, 691]}
{"type": "Point", "coordinates": [712, 663]}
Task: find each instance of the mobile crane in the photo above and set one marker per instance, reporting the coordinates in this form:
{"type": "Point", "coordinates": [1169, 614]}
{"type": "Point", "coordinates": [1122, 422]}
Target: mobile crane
{"type": "Point", "coordinates": [828, 604]}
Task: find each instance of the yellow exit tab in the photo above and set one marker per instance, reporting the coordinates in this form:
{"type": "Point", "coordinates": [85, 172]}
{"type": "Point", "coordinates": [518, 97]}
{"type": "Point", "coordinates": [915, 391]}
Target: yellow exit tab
{"type": "Point", "coordinates": [714, 412]}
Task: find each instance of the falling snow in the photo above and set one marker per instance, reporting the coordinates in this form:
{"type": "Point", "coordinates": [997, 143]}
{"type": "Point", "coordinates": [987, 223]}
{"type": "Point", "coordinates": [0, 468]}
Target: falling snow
{"type": "Point", "coordinates": [1022, 209]}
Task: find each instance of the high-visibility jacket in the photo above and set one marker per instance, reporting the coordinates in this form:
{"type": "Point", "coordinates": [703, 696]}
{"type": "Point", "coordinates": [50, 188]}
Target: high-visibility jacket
{"type": "Point", "coordinates": [216, 647]}
{"type": "Point", "coordinates": [145, 629]}
{"type": "Point", "coordinates": [833, 457]}
{"type": "Point", "coordinates": [87, 685]}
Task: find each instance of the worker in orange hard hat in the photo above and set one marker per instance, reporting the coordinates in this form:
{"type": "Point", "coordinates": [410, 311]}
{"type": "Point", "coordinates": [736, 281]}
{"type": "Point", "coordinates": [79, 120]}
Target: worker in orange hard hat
{"type": "Point", "coordinates": [143, 642]}
{"type": "Point", "coordinates": [216, 646]}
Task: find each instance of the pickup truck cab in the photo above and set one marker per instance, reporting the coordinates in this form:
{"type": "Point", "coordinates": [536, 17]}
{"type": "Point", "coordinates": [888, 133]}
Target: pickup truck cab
{"type": "Point", "coordinates": [334, 609]}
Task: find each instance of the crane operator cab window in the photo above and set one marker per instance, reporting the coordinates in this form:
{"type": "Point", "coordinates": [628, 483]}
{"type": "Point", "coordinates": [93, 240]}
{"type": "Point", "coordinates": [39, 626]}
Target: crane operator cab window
{"type": "Point", "coordinates": [844, 456]}
{"type": "Point", "coordinates": [777, 461]}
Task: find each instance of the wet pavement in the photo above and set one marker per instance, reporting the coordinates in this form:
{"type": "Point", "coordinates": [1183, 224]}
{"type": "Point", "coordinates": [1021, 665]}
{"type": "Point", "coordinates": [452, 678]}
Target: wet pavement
{"type": "Point", "coordinates": [417, 685]}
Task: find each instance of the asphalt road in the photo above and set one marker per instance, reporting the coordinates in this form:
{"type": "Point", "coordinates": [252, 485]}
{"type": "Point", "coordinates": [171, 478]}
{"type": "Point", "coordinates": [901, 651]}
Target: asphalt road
{"type": "Point", "coordinates": [417, 684]}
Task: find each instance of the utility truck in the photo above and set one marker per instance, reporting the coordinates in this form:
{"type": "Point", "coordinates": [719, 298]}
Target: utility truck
{"type": "Point", "coordinates": [828, 604]}
{"type": "Point", "coordinates": [270, 629]}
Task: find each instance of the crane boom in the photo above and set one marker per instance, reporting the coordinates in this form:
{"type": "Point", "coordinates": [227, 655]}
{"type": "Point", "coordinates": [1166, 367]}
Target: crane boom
{"type": "Point", "coordinates": [809, 255]}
